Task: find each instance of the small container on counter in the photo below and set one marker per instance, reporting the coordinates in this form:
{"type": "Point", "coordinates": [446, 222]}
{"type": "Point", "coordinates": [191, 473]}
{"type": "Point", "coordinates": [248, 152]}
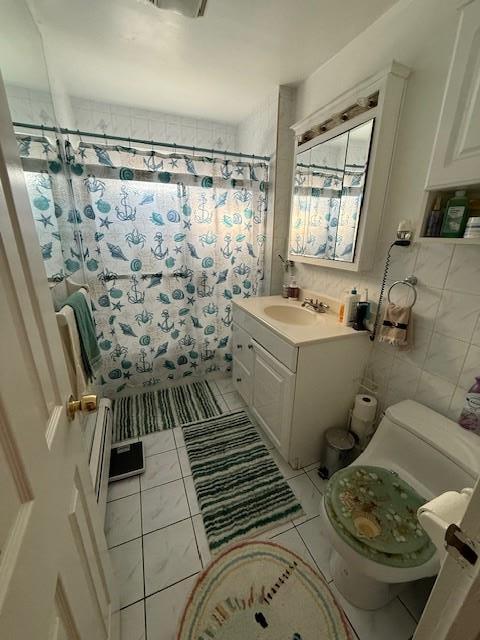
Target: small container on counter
{"type": "Point", "coordinates": [293, 290]}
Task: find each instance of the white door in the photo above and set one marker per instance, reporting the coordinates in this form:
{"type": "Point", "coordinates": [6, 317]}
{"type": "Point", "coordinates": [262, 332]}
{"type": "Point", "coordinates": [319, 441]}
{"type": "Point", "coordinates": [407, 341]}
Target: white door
{"type": "Point", "coordinates": [55, 577]}
{"type": "Point", "coordinates": [452, 611]}
{"type": "Point", "coordinates": [272, 397]}
{"type": "Point", "coordinates": [456, 153]}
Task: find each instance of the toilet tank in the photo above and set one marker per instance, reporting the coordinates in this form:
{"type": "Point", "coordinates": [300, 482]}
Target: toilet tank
{"type": "Point", "coordinates": [432, 453]}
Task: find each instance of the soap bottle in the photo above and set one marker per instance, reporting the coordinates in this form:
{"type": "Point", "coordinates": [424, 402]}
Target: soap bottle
{"type": "Point", "coordinates": [434, 222]}
{"type": "Point", "coordinates": [456, 214]}
{"type": "Point", "coordinates": [351, 300]}
{"type": "Point", "coordinates": [470, 416]}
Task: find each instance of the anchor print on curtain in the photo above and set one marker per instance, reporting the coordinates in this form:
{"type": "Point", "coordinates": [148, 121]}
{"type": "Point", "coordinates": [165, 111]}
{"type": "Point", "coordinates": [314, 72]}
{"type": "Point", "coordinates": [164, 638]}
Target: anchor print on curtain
{"type": "Point", "coordinates": [169, 242]}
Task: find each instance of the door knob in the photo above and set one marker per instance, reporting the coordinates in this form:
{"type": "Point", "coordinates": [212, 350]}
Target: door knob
{"type": "Point", "coordinates": [86, 404]}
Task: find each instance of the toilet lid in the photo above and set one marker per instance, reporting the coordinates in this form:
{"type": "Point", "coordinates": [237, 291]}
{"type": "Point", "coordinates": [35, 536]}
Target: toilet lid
{"type": "Point", "coordinates": [378, 508]}
{"type": "Point", "coordinates": [398, 560]}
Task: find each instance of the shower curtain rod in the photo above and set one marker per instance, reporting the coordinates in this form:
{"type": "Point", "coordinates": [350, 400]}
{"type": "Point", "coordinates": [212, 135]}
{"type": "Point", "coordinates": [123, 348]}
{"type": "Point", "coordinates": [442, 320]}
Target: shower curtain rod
{"type": "Point", "coordinates": [169, 145]}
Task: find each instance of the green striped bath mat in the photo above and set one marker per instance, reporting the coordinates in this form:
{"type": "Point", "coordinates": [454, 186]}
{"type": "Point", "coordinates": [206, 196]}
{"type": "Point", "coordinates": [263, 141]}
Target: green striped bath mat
{"type": "Point", "coordinates": [240, 489]}
{"type": "Point", "coordinates": [163, 409]}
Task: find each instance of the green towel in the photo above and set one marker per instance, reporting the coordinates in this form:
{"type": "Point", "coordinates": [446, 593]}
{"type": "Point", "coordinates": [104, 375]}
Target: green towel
{"type": "Point", "coordinates": [91, 356]}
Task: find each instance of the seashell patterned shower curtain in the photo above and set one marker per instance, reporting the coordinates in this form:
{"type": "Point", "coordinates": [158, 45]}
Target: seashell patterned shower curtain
{"type": "Point", "coordinates": [168, 242]}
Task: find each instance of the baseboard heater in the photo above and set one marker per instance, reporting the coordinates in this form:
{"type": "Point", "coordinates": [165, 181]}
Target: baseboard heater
{"type": "Point", "coordinates": [98, 441]}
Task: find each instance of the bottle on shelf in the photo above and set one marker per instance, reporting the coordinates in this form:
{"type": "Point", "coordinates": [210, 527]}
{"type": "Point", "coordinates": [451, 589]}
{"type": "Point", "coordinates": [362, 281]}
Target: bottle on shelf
{"type": "Point", "coordinates": [472, 229]}
{"type": "Point", "coordinates": [434, 222]}
{"type": "Point", "coordinates": [456, 214]}
{"type": "Point", "coordinates": [350, 310]}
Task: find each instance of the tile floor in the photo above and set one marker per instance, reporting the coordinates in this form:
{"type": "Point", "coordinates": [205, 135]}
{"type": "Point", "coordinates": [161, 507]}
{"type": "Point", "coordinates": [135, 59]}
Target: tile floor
{"type": "Point", "coordinates": [158, 546]}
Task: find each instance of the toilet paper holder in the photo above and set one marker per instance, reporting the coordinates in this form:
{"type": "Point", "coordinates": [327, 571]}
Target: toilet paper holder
{"type": "Point", "coordinates": [459, 546]}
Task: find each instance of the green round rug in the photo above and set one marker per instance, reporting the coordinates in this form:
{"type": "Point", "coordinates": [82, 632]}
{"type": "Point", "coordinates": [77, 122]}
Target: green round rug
{"type": "Point", "coordinates": [259, 590]}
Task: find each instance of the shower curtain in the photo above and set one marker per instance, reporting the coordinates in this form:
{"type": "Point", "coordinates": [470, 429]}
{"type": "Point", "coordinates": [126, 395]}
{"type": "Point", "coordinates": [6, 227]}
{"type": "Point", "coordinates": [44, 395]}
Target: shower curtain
{"type": "Point", "coordinates": [168, 242]}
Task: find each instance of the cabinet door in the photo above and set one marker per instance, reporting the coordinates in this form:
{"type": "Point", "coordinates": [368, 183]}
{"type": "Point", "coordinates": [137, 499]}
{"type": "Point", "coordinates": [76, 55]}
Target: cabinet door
{"type": "Point", "coordinates": [273, 388]}
{"type": "Point", "coordinates": [241, 346]}
{"type": "Point", "coordinates": [242, 381]}
{"type": "Point", "coordinates": [456, 153]}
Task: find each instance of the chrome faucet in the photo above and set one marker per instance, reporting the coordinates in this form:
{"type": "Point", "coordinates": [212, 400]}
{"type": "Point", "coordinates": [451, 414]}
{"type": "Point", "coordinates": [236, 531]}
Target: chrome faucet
{"type": "Point", "coordinates": [318, 306]}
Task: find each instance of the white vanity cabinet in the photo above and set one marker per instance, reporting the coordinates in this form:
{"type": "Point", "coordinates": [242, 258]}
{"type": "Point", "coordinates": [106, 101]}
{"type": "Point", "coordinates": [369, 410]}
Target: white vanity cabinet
{"type": "Point", "coordinates": [295, 391]}
{"type": "Point", "coordinates": [456, 154]}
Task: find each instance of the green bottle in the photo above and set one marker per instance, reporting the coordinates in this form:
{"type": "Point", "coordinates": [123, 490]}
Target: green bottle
{"type": "Point", "coordinates": [456, 214]}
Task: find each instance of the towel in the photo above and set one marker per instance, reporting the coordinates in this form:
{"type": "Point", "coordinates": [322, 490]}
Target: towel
{"type": "Point", "coordinates": [397, 326]}
{"type": "Point", "coordinates": [90, 352]}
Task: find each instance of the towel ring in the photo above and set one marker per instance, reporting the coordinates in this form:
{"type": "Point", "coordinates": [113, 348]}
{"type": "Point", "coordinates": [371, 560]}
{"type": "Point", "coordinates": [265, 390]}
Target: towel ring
{"type": "Point", "coordinates": [410, 281]}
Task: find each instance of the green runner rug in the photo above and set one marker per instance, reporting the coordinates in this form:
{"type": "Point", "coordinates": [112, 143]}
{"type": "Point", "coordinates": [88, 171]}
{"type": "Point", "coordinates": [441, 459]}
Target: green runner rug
{"type": "Point", "coordinates": [239, 487]}
{"type": "Point", "coordinates": [163, 409]}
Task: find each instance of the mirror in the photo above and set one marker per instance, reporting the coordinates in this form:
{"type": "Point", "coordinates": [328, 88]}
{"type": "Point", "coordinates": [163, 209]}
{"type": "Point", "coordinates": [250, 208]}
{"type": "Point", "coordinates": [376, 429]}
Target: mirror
{"type": "Point", "coordinates": [327, 196]}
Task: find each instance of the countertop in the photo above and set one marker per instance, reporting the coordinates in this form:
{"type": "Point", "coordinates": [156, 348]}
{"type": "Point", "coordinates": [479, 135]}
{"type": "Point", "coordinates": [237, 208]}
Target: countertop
{"type": "Point", "coordinates": [326, 326]}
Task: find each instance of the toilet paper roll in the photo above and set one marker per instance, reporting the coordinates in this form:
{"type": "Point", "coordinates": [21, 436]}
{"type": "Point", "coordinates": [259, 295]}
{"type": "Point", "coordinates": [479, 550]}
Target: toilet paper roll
{"type": "Point", "coordinates": [365, 407]}
{"type": "Point", "coordinates": [435, 516]}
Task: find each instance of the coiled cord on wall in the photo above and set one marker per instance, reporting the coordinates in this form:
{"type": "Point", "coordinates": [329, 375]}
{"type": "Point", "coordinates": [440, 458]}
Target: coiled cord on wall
{"type": "Point", "coordinates": [397, 243]}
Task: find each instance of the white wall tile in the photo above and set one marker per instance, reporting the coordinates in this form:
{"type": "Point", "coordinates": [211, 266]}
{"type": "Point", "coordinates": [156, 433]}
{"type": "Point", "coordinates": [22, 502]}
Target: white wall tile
{"type": "Point", "coordinates": [435, 392]}
{"type": "Point", "coordinates": [464, 274]}
{"type": "Point", "coordinates": [457, 314]}
{"type": "Point", "coordinates": [445, 357]}
{"type": "Point", "coordinates": [471, 367]}
{"type": "Point", "coordinates": [432, 264]}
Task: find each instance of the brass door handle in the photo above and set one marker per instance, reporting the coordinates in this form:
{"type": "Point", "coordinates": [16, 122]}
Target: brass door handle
{"type": "Point", "coordinates": [86, 404]}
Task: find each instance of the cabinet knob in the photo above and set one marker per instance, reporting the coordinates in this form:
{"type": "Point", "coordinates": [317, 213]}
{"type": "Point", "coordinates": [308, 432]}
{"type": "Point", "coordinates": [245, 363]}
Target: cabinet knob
{"type": "Point", "coordinates": [250, 346]}
{"type": "Point", "coordinates": [239, 379]}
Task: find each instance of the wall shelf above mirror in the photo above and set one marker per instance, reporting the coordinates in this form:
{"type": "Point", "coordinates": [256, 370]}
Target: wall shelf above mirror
{"type": "Point", "coordinates": [342, 166]}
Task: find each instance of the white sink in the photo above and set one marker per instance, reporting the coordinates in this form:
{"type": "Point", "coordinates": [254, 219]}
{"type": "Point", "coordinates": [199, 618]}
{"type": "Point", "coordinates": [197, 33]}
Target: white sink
{"type": "Point", "coordinates": [291, 315]}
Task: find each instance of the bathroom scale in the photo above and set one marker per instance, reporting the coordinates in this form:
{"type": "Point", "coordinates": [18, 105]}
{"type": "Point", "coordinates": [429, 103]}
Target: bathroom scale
{"type": "Point", "coordinates": [126, 460]}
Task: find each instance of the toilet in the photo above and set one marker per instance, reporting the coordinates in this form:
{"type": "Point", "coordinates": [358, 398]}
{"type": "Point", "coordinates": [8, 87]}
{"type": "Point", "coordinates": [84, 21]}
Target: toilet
{"type": "Point", "coordinates": [415, 455]}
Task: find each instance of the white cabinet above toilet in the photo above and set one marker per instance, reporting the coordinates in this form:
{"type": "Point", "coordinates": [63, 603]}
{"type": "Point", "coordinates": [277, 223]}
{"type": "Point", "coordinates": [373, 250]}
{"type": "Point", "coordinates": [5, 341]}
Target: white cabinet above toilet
{"type": "Point", "coordinates": [298, 378]}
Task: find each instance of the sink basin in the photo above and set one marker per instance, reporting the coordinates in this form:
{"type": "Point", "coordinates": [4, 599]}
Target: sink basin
{"type": "Point", "coordinates": [291, 315]}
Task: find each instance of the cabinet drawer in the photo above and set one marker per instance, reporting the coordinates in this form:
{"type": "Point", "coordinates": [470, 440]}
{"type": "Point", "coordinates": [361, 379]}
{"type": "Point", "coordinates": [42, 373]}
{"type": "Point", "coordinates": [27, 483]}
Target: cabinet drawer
{"type": "Point", "coordinates": [241, 347]}
{"type": "Point", "coordinates": [242, 381]}
{"type": "Point", "coordinates": [282, 350]}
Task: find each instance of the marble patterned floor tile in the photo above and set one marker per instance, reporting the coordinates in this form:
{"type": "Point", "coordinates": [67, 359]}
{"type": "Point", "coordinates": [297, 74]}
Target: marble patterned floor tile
{"type": "Point", "coordinates": [291, 540]}
{"type": "Point", "coordinates": [164, 505]}
{"type": "Point", "coordinates": [170, 555]}
{"type": "Point", "coordinates": [184, 461]}
{"type": "Point", "coordinates": [225, 385]}
{"type": "Point", "coordinates": [266, 440]}
{"type": "Point", "coordinates": [132, 622]}
{"type": "Point", "coordinates": [159, 469]}
{"type": "Point", "coordinates": [287, 471]}
{"type": "Point", "coordinates": [122, 520]}
{"type": "Point", "coordinates": [191, 495]}
{"type": "Point", "coordinates": [234, 400]}
{"type": "Point", "coordinates": [415, 596]}
{"type": "Point", "coordinates": [315, 538]}
{"type": "Point", "coordinates": [158, 442]}
{"type": "Point", "coordinates": [392, 621]}
{"type": "Point", "coordinates": [164, 609]}
{"type": "Point", "coordinates": [202, 541]}
{"type": "Point", "coordinates": [319, 482]}
{"type": "Point", "coordinates": [123, 488]}
{"type": "Point", "coordinates": [128, 568]}
{"type": "Point", "coordinates": [178, 435]}
{"type": "Point", "coordinates": [308, 495]}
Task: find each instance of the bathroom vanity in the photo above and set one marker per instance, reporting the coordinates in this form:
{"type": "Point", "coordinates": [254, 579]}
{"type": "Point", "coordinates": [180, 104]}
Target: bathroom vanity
{"type": "Point", "coordinates": [298, 371]}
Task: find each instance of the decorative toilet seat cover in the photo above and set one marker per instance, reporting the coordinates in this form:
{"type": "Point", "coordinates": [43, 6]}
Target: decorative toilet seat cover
{"type": "Point", "coordinates": [375, 512]}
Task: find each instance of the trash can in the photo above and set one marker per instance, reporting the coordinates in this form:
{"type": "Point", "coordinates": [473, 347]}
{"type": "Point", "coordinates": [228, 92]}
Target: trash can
{"type": "Point", "coordinates": [338, 452]}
